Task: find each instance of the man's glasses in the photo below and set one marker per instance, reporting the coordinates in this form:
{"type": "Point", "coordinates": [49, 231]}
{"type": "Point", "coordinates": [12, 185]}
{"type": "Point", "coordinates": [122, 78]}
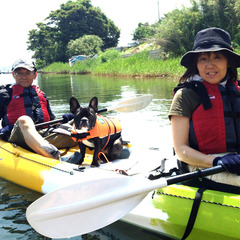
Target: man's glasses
{"type": "Point", "coordinates": [19, 74]}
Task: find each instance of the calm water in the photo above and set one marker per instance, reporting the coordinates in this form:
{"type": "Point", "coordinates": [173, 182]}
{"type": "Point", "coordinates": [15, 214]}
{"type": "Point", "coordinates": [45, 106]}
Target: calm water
{"type": "Point", "coordinates": [146, 129]}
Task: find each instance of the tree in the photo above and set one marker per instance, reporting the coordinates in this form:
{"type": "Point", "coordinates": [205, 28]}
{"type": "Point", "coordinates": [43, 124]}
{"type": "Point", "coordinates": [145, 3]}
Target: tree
{"type": "Point", "coordinates": [43, 43]}
{"type": "Point", "coordinates": [143, 31]}
{"type": "Point", "coordinates": [86, 45]}
{"type": "Point", "coordinates": [177, 30]}
{"type": "Point", "coordinates": [73, 20]}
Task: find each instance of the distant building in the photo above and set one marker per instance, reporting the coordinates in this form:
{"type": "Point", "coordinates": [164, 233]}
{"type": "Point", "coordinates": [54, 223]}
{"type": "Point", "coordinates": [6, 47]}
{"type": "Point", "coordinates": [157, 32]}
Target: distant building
{"type": "Point", "coordinates": [133, 44]}
{"type": "Point", "coordinates": [5, 70]}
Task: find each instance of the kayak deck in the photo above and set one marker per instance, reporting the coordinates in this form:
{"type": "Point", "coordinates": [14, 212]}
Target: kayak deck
{"type": "Point", "coordinates": [43, 174]}
{"type": "Point", "coordinates": [167, 210]}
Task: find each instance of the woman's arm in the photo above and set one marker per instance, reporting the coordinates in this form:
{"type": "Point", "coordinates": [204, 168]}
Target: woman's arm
{"type": "Point", "coordinates": [180, 131]}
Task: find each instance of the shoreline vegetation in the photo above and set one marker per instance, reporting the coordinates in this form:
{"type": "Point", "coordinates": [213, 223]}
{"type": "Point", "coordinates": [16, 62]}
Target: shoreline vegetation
{"type": "Point", "coordinates": [112, 63]}
{"type": "Point", "coordinates": [172, 35]}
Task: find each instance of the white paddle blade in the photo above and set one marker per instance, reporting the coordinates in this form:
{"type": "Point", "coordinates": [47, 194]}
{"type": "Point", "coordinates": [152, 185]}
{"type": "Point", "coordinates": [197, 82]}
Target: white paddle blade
{"type": "Point", "coordinates": [134, 104]}
{"type": "Point", "coordinates": [81, 208]}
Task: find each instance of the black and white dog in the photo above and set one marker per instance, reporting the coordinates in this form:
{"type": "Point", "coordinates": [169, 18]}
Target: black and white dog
{"type": "Point", "coordinates": [95, 132]}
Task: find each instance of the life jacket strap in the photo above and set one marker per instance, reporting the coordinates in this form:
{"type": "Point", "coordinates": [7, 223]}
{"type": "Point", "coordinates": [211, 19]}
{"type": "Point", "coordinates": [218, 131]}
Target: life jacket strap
{"type": "Point", "coordinates": [109, 132]}
{"type": "Point", "coordinates": [80, 135]}
{"type": "Point", "coordinates": [102, 153]}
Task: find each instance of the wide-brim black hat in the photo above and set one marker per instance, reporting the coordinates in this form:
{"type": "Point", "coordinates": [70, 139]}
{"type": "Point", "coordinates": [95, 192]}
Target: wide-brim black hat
{"type": "Point", "coordinates": [211, 40]}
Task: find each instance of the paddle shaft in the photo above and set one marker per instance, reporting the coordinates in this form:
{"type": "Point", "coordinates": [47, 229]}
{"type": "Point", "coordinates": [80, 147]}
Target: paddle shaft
{"type": "Point", "coordinates": [102, 110]}
{"type": "Point", "coordinates": [129, 105]}
{"type": "Point", "coordinates": [196, 174]}
{"type": "Point", "coordinates": [122, 193]}
{"type": "Point", "coordinates": [49, 123]}
{"type": "Point", "coordinates": [54, 215]}
{"type": "Point", "coordinates": [60, 120]}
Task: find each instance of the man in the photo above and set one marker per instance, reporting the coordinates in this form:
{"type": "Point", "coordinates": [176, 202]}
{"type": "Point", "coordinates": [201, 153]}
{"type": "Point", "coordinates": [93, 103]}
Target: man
{"type": "Point", "coordinates": [22, 105]}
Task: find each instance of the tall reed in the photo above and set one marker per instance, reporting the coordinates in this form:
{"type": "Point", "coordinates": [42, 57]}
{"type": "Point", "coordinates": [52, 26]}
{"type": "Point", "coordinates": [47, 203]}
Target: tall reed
{"type": "Point", "coordinates": [112, 63]}
{"type": "Point", "coordinates": [141, 64]}
{"type": "Point", "coordinates": [57, 67]}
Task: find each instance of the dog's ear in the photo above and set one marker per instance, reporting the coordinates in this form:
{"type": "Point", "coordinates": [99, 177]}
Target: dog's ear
{"type": "Point", "coordinates": [94, 104]}
{"type": "Point", "coordinates": [74, 104]}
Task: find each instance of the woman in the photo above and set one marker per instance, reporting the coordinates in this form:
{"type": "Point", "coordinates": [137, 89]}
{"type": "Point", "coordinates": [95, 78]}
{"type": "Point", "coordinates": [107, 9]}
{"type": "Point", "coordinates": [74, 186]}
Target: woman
{"type": "Point", "coordinates": [205, 112]}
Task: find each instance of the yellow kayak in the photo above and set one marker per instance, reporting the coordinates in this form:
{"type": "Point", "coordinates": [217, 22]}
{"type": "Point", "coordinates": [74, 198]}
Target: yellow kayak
{"type": "Point", "coordinates": [43, 174]}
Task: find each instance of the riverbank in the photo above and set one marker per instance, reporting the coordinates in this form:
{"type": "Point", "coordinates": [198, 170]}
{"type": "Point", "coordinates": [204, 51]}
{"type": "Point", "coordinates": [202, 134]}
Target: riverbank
{"type": "Point", "coordinates": [111, 63]}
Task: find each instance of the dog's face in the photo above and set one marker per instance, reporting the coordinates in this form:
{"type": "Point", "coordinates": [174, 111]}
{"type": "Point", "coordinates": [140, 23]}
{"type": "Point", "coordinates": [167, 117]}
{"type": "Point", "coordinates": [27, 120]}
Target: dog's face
{"type": "Point", "coordinates": [84, 117]}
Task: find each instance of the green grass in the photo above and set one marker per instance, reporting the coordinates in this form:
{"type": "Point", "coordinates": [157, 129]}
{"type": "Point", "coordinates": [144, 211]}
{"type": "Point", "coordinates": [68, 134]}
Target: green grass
{"type": "Point", "coordinates": [57, 67]}
{"type": "Point", "coordinates": [111, 63]}
{"type": "Point", "coordinates": [140, 64]}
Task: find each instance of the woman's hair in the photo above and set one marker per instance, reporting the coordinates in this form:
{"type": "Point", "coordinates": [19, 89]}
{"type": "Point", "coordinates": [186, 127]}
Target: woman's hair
{"type": "Point", "coordinates": [192, 69]}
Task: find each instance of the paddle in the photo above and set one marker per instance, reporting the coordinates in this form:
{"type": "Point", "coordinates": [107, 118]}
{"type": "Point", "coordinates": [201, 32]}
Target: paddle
{"type": "Point", "coordinates": [85, 207]}
{"type": "Point", "coordinates": [130, 105]}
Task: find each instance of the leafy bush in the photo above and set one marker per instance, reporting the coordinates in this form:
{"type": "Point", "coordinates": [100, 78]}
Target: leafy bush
{"type": "Point", "coordinates": [110, 55]}
{"type": "Point", "coordinates": [86, 45]}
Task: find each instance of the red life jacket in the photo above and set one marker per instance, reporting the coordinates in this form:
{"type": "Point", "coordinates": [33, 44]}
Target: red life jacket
{"type": "Point", "coordinates": [29, 102]}
{"type": "Point", "coordinates": [217, 129]}
{"type": "Point", "coordinates": [104, 128]}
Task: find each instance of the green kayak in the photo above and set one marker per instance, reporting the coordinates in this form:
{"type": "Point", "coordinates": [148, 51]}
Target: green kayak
{"type": "Point", "coordinates": [167, 211]}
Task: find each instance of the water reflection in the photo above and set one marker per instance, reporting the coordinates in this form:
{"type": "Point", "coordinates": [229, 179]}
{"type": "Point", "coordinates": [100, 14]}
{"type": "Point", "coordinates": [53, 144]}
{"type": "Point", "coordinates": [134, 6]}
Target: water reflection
{"type": "Point", "coordinates": [13, 203]}
{"type": "Point", "coordinates": [59, 88]}
{"type": "Point", "coordinates": [146, 129]}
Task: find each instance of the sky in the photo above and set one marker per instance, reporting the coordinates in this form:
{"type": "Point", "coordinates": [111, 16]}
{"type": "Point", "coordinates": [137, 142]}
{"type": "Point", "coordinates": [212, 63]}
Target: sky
{"type": "Point", "coordinates": [17, 18]}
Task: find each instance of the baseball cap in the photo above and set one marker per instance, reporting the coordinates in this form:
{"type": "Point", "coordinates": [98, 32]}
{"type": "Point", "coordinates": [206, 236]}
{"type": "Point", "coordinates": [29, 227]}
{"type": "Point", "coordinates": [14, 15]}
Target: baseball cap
{"type": "Point", "coordinates": [21, 63]}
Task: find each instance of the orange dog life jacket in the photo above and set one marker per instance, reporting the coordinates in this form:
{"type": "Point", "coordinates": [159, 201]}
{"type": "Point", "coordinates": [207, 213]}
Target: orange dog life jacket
{"type": "Point", "coordinates": [104, 128]}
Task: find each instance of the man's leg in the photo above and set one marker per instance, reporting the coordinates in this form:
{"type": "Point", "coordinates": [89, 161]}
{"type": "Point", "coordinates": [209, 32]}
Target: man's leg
{"type": "Point", "coordinates": [34, 140]}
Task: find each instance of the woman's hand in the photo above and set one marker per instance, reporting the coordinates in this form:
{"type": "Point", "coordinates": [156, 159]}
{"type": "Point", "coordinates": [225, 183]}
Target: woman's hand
{"type": "Point", "coordinates": [231, 162]}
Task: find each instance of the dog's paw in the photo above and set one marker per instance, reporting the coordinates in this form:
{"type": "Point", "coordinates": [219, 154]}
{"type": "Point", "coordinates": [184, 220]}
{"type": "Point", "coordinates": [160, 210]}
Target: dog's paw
{"type": "Point", "coordinates": [75, 158]}
{"type": "Point", "coordinates": [95, 164]}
